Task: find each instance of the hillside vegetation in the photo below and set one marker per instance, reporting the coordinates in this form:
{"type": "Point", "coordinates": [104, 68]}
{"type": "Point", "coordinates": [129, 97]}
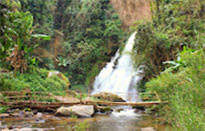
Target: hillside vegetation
{"type": "Point", "coordinates": [171, 47]}
{"type": "Point", "coordinates": [83, 33]}
{"type": "Point", "coordinates": [184, 90]}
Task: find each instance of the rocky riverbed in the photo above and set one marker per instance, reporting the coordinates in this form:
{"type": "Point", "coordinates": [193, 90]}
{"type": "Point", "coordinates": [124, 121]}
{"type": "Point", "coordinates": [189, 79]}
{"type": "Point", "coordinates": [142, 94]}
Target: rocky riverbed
{"type": "Point", "coordinates": [121, 120]}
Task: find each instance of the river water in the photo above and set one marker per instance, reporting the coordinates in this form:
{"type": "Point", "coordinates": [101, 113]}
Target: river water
{"type": "Point", "coordinates": [127, 121]}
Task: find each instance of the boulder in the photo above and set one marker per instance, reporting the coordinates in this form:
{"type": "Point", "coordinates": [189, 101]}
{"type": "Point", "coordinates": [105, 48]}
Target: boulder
{"type": "Point", "coordinates": [28, 114]}
{"type": "Point", "coordinates": [104, 109]}
{"type": "Point", "coordinates": [4, 115]}
{"type": "Point", "coordinates": [39, 115]}
{"type": "Point", "coordinates": [78, 110]}
{"type": "Point", "coordinates": [148, 129]}
{"type": "Point", "coordinates": [15, 114]}
{"type": "Point", "coordinates": [109, 97]}
{"type": "Point", "coordinates": [118, 110]}
{"type": "Point", "coordinates": [142, 108]}
{"type": "Point", "coordinates": [138, 111]}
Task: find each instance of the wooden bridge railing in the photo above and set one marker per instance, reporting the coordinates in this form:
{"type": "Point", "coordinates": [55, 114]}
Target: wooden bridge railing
{"type": "Point", "coordinates": [46, 101]}
{"type": "Point", "coordinates": [145, 96]}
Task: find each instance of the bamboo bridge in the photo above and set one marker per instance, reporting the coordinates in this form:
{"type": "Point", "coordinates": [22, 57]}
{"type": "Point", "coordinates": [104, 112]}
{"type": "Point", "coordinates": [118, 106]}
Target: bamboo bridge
{"type": "Point", "coordinates": [49, 101]}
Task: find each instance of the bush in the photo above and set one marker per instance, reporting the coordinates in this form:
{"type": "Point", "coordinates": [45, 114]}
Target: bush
{"type": "Point", "coordinates": [36, 79]}
{"type": "Point", "coordinates": [3, 109]}
{"type": "Point", "coordinates": [185, 92]}
{"type": "Point", "coordinates": [175, 24]}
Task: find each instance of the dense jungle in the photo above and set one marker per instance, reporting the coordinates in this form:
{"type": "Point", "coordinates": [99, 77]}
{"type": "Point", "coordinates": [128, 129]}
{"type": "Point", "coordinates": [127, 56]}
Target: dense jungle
{"type": "Point", "coordinates": [59, 51]}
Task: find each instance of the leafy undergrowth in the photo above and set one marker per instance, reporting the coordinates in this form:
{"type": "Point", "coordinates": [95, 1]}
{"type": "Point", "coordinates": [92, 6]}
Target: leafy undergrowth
{"type": "Point", "coordinates": [175, 24]}
{"type": "Point", "coordinates": [184, 88]}
{"type": "Point", "coordinates": [80, 88]}
{"type": "Point", "coordinates": [35, 79]}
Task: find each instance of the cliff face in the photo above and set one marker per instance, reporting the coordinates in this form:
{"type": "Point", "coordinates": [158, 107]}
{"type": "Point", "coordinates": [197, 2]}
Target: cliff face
{"type": "Point", "coordinates": [132, 10]}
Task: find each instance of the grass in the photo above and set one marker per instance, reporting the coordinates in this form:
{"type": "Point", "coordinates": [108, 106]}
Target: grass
{"type": "Point", "coordinates": [82, 126]}
{"type": "Point", "coordinates": [80, 87]}
{"type": "Point", "coordinates": [35, 79]}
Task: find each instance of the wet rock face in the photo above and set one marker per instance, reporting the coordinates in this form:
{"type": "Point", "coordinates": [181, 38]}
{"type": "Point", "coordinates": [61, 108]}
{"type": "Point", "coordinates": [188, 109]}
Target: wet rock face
{"type": "Point", "coordinates": [77, 110]}
{"type": "Point", "coordinates": [132, 10]}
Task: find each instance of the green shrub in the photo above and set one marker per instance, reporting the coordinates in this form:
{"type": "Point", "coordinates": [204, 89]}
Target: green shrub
{"type": "Point", "coordinates": [82, 126]}
{"type": "Point", "coordinates": [175, 24]}
{"type": "Point", "coordinates": [36, 79]}
{"type": "Point", "coordinates": [185, 92]}
{"type": "Point", "coordinates": [3, 109]}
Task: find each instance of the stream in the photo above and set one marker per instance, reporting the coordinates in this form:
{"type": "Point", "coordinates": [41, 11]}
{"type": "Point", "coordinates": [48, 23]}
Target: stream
{"type": "Point", "coordinates": [126, 120]}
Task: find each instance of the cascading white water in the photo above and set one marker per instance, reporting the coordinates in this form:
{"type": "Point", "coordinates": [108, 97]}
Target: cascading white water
{"type": "Point", "coordinates": [122, 77]}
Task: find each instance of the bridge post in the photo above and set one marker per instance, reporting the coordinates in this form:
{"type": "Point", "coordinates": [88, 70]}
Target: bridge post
{"type": "Point", "coordinates": [157, 96]}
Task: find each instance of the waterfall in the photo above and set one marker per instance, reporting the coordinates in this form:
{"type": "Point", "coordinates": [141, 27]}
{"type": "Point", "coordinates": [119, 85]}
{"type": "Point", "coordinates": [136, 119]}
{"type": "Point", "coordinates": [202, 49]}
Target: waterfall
{"type": "Point", "coordinates": [119, 76]}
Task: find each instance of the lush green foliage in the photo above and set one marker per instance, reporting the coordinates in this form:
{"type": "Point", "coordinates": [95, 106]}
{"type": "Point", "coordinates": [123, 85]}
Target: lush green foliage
{"type": "Point", "coordinates": [3, 109]}
{"type": "Point", "coordinates": [17, 40]}
{"type": "Point", "coordinates": [176, 23]}
{"type": "Point", "coordinates": [83, 31]}
{"type": "Point", "coordinates": [87, 32]}
{"type": "Point", "coordinates": [185, 92]}
{"type": "Point", "coordinates": [42, 11]}
{"type": "Point", "coordinates": [36, 79]}
{"type": "Point", "coordinates": [88, 27]}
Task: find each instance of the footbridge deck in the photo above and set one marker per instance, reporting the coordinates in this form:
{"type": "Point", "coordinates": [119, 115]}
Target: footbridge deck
{"type": "Point", "coordinates": [145, 104]}
{"type": "Point", "coordinates": [50, 101]}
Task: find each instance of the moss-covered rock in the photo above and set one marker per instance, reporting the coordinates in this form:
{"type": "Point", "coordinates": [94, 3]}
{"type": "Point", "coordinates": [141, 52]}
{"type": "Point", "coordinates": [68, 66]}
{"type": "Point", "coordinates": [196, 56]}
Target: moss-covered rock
{"type": "Point", "coordinates": [109, 97]}
{"type": "Point", "coordinates": [60, 75]}
{"type": "Point", "coordinates": [104, 109]}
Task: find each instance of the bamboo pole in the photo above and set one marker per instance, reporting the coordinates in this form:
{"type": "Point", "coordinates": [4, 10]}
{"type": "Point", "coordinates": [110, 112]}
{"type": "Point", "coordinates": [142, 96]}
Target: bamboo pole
{"type": "Point", "coordinates": [34, 103]}
{"type": "Point", "coordinates": [157, 96]}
